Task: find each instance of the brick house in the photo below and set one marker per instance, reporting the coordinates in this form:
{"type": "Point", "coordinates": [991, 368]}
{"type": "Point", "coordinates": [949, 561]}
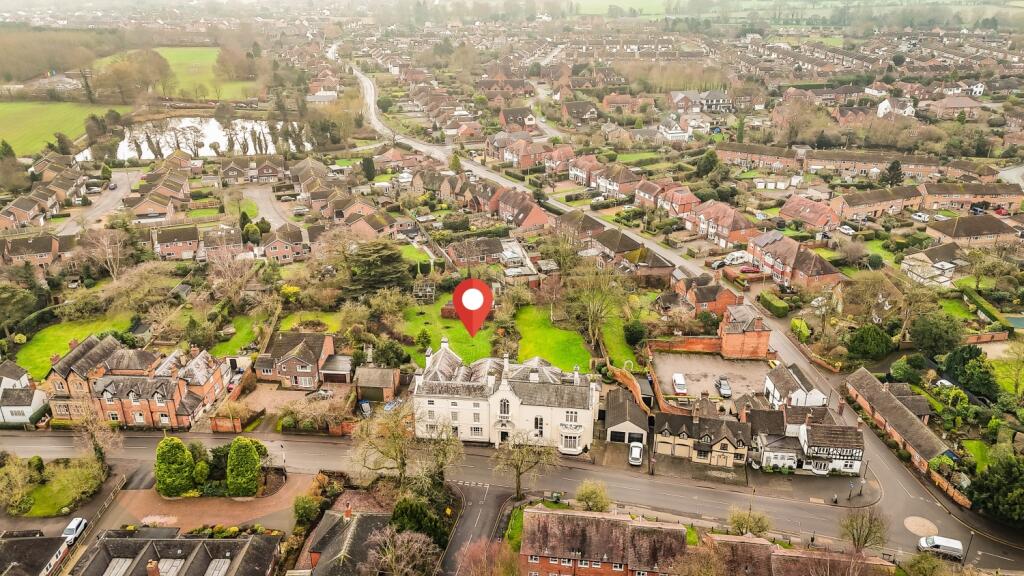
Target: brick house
{"type": "Point", "coordinates": [180, 243]}
{"type": "Point", "coordinates": [854, 164]}
{"type": "Point", "coordinates": [721, 224]}
{"type": "Point", "coordinates": [744, 334]}
{"type": "Point", "coordinates": [263, 168]}
{"type": "Point", "coordinates": [961, 196]}
{"type": "Point", "coordinates": [222, 241]}
{"type": "Point", "coordinates": [284, 245]}
{"type": "Point", "coordinates": [522, 118]}
{"type": "Point", "coordinates": [521, 211]}
{"type": "Point", "coordinates": [702, 436]}
{"type": "Point", "coordinates": [379, 224]}
{"type": "Point", "coordinates": [295, 359]}
{"type": "Point", "coordinates": [771, 158]}
{"type": "Point", "coordinates": [41, 250]}
{"type": "Point", "coordinates": [895, 418]}
{"type": "Point", "coordinates": [475, 251]}
{"type": "Point", "coordinates": [596, 543]}
{"type": "Point", "coordinates": [968, 231]}
{"type": "Point", "coordinates": [814, 215]}
{"type": "Point", "coordinates": [706, 296]}
{"type": "Point", "coordinates": [877, 202]}
{"type": "Point", "coordinates": [579, 112]}
{"type": "Point", "coordinates": [376, 384]}
{"type": "Point", "coordinates": [133, 387]}
{"type": "Point", "coordinates": [677, 200]}
{"type": "Point", "coordinates": [150, 207]}
{"type": "Point", "coordinates": [582, 224]}
{"type": "Point", "coordinates": [617, 180]}
{"type": "Point", "coordinates": [584, 169]}
{"type": "Point", "coordinates": [791, 263]}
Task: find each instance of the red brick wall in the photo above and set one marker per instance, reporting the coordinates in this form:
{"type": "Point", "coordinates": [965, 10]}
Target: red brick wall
{"type": "Point", "coordinates": [707, 344]}
{"type": "Point", "coordinates": [228, 425]}
{"type": "Point", "coordinates": [746, 345]}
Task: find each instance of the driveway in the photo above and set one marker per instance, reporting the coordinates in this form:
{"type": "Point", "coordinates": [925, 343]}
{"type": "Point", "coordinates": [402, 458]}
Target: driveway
{"type": "Point", "coordinates": [269, 208]}
{"type": "Point", "coordinates": [108, 201]}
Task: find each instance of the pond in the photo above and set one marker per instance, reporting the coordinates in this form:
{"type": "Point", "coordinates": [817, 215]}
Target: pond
{"type": "Point", "coordinates": [202, 135]}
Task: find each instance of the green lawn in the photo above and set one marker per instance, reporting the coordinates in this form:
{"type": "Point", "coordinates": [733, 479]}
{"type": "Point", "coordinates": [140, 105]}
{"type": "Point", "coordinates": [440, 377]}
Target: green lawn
{"type": "Point", "coordinates": [968, 281]}
{"type": "Point", "coordinates": [414, 254]}
{"type": "Point", "coordinates": [1004, 374]}
{"type": "Point", "coordinates": [194, 66]}
{"type": "Point", "coordinates": [979, 450]}
{"type": "Point", "coordinates": [347, 161]}
{"type": "Point", "coordinates": [386, 177]}
{"type": "Point", "coordinates": [634, 156]}
{"type": "Point", "coordinates": [28, 126]}
{"type": "Point", "coordinates": [937, 406]}
{"type": "Point", "coordinates": [245, 333]}
{"type": "Point", "coordinates": [203, 212]}
{"type": "Point", "coordinates": [246, 205]}
{"type": "Point", "coordinates": [34, 356]}
{"type": "Point", "coordinates": [827, 253]}
{"type": "Point", "coordinates": [514, 532]}
{"type": "Point", "coordinates": [563, 348]}
{"type": "Point", "coordinates": [330, 319]}
{"type": "Point", "coordinates": [428, 316]}
{"type": "Point", "coordinates": [956, 308]}
{"type": "Point", "coordinates": [875, 247]}
{"type": "Point", "coordinates": [615, 342]}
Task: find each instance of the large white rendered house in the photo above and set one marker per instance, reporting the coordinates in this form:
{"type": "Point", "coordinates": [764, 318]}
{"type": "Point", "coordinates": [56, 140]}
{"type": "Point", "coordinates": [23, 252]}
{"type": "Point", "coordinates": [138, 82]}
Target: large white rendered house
{"type": "Point", "coordinates": [488, 400]}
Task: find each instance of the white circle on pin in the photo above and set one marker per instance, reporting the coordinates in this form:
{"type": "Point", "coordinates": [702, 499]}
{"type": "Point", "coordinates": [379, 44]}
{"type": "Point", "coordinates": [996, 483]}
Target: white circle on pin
{"type": "Point", "coordinates": [472, 299]}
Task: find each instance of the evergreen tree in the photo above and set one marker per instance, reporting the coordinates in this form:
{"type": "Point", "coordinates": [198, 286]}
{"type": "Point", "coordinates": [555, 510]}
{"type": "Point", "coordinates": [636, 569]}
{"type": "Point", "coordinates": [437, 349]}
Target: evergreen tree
{"type": "Point", "coordinates": [6, 151]}
{"type": "Point", "coordinates": [369, 170]}
{"type": "Point", "coordinates": [88, 88]}
{"type": "Point", "coordinates": [243, 474]}
{"type": "Point", "coordinates": [998, 492]}
{"type": "Point", "coordinates": [174, 467]}
{"type": "Point", "coordinates": [893, 175]}
{"type": "Point", "coordinates": [375, 265]}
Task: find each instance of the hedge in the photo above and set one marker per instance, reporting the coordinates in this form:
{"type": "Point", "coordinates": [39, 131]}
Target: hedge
{"type": "Point", "coordinates": [987, 308]}
{"type": "Point", "coordinates": [777, 307]}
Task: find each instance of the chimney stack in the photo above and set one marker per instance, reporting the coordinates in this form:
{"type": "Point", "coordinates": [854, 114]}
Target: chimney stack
{"type": "Point", "coordinates": [194, 351]}
{"type": "Point", "coordinates": [348, 510]}
{"type": "Point", "coordinates": [745, 413]}
{"type": "Point", "coordinates": [842, 406]}
{"type": "Point", "coordinates": [504, 362]}
{"type": "Point", "coordinates": [54, 359]}
{"type": "Point", "coordinates": [885, 386]}
{"type": "Point", "coordinates": [860, 424]}
{"type": "Point", "coordinates": [807, 419]}
{"type": "Point", "coordinates": [72, 344]}
{"type": "Point", "coordinates": [152, 568]}
{"type": "Point", "coordinates": [576, 374]}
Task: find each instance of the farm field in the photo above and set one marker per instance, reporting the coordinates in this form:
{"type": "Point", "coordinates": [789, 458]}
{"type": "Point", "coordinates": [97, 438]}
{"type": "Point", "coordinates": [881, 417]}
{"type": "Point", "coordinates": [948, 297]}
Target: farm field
{"type": "Point", "coordinates": [28, 126]}
{"type": "Point", "coordinates": [195, 66]}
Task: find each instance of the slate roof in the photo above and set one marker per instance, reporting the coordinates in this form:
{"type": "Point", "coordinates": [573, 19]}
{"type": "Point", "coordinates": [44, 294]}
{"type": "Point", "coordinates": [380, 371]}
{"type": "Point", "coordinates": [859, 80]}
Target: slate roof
{"type": "Point", "coordinates": [880, 195]}
{"type": "Point", "coordinates": [616, 241]}
{"type": "Point", "coordinates": [17, 396]}
{"type": "Point", "coordinates": [27, 556]}
{"type": "Point", "coordinates": [305, 346]}
{"type": "Point", "coordinates": [717, 428]}
{"type": "Point", "coordinates": [834, 436]}
{"type": "Point", "coordinates": [369, 377]}
{"type": "Point", "coordinates": [786, 382]}
{"type": "Point", "coordinates": [601, 537]}
{"type": "Point", "coordinates": [957, 189]}
{"type": "Point", "coordinates": [130, 359]}
{"type": "Point", "coordinates": [87, 355]}
{"type": "Point", "coordinates": [771, 422]}
{"type": "Point", "coordinates": [247, 556]}
{"type": "Point", "coordinates": [621, 408]}
{"type": "Point", "coordinates": [723, 215]}
{"type": "Point", "coordinates": [11, 370]}
{"type": "Point", "coordinates": [794, 254]}
{"type": "Point", "coordinates": [972, 226]}
{"type": "Point", "coordinates": [580, 221]}
{"type": "Point", "coordinates": [342, 546]}
{"type": "Point", "coordinates": [899, 417]}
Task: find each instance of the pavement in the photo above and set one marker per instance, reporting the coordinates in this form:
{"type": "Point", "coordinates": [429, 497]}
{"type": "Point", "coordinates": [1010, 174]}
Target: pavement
{"type": "Point", "coordinates": [106, 202]}
{"type": "Point", "coordinates": [269, 208]}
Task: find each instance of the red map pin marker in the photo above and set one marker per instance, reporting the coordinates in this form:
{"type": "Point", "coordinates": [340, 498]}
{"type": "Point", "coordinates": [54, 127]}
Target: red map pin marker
{"type": "Point", "coordinates": [472, 300]}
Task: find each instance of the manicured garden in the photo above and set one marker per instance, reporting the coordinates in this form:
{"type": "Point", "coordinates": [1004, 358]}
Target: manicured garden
{"type": "Point", "coordinates": [35, 355]}
{"type": "Point", "coordinates": [28, 126]}
{"type": "Point", "coordinates": [635, 156]}
{"type": "Point", "coordinates": [245, 333]}
{"type": "Point", "coordinates": [414, 254]}
{"type": "Point", "coordinates": [876, 247]}
{"type": "Point", "coordinates": [539, 337]}
{"type": "Point", "coordinates": [979, 451]}
{"type": "Point", "coordinates": [246, 205]}
{"type": "Point", "coordinates": [331, 320]}
{"type": "Point", "coordinates": [203, 212]}
{"type": "Point", "coordinates": [428, 317]}
{"type": "Point", "coordinates": [618, 350]}
{"type": "Point", "coordinates": [956, 308]}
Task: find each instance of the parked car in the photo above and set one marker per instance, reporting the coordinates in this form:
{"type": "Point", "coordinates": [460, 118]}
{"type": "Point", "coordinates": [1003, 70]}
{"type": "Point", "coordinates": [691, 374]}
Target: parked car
{"type": "Point", "coordinates": [724, 389]}
{"type": "Point", "coordinates": [636, 453]}
{"type": "Point", "coordinates": [750, 270]}
{"type": "Point", "coordinates": [942, 546]}
{"type": "Point", "coordinates": [1002, 211]}
{"type": "Point", "coordinates": [718, 264]}
{"type": "Point", "coordinates": [940, 217]}
{"type": "Point", "coordinates": [920, 217]}
{"type": "Point", "coordinates": [977, 210]}
{"type": "Point", "coordinates": [113, 186]}
{"type": "Point", "coordinates": [679, 383]}
{"type": "Point", "coordinates": [93, 190]}
{"type": "Point", "coordinates": [944, 383]}
{"type": "Point", "coordinates": [74, 530]}
{"type": "Point", "coordinates": [738, 257]}
{"type": "Point", "coordinates": [847, 230]}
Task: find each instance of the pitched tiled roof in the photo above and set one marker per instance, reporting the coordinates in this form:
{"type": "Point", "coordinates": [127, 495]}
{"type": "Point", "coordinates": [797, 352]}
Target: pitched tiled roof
{"type": "Point", "coordinates": [972, 226]}
{"type": "Point", "coordinates": [916, 433]}
{"type": "Point", "coordinates": [89, 353]}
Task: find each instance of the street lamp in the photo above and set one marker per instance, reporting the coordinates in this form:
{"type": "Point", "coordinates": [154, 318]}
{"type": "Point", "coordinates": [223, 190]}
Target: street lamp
{"type": "Point", "coordinates": [963, 561]}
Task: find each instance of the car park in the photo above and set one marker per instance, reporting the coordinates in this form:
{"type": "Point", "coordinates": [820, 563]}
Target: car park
{"type": "Point", "coordinates": [724, 389]}
{"type": "Point", "coordinates": [636, 453]}
{"type": "Point", "coordinates": [74, 529]}
{"type": "Point", "coordinates": [847, 230]}
{"type": "Point", "coordinates": [947, 547]}
{"type": "Point", "coordinates": [920, 217]}
{"type": "Point", "coordinates": [679, 383]}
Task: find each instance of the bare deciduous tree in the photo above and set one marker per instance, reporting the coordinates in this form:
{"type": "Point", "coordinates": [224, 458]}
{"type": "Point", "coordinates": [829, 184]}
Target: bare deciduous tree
{"type": "Point", "coordinates": [399, 554]}
{"type": "Point", "coordinates": [523, 456]}
{"type": "Point", "coordinates": [697, 561]}
{"type": "Point", "coordinates": [92, 433]}
{"type": "Point", "coordinates": [385, 442]}
{"type": "Point", "coordinates": [864, 528]}
{"type": "Point", "coordinates": [486, 557]}
{"type": "Point", "coordinates": [108, 249]}
{"type": "Point", "coordinates": [594, 296]}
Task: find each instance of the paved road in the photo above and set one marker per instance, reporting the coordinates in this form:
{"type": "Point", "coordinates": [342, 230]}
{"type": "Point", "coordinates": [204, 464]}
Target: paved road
{"type": "Point", "coordinates": [1013, 174]}
{"type": "Point", "coordinates": [479, 517]}
{"type": "Point", "coordinates": [102, 205]}
{"type": "Point", "coordinates": [904, 499]}
{"type": "Point", "coordinates": [269, 208]}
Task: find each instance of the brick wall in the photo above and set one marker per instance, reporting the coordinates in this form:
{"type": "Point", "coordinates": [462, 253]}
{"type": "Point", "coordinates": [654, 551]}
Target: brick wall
{"type": "Point", "coordinates": [950, 490]}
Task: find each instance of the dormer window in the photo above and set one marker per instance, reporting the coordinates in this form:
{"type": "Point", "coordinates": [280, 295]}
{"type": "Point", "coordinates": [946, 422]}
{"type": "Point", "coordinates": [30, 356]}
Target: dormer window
{"type": "Point", "coordinates": [133, 397]}
{"type": "Point", "coordinates": [159, 399]}
{"type": "Point", "coordinates": [705, 438]}
{"type": "Point", "coordinates": [665, 433]}
{"type": "Point", "coordinates": [108, 397]}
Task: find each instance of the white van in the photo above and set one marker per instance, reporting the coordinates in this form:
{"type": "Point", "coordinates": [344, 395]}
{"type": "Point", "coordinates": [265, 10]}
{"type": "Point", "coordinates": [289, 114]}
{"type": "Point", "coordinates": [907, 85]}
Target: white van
{"type": "Point", "coordinates": [679, 383]}
{"type": "Point", "coordinates": [737, 257]}
{"type": "Point", "coordinates": [942, 546]}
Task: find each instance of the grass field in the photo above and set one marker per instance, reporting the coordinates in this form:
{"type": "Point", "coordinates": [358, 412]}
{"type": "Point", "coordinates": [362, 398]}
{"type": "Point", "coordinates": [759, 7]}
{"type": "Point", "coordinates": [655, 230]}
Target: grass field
{"type": "Point", "coordinates": [615, 342]}
{"type": "Point", "coordinates": [826, 253]}
{"type": "Point", "coordinates": [330, 319]}
{"type": "Point", "coordinates": [28, 126]}
{"type": "Point", "coordinates": [34, 356]}
{"type": "Point", "coordinates": [563, 348]}
{"type": "Point", "coordinates": [634, 156]}
{"type": "Point", "coordinates": [245, 333]}
{"type": "Point", "coordinates": [414, 254]}
{"type": "Point", "coordinates": [956, 308]}
{"type": "Point", "coordinates": [203, 212]}
{"type": "Point", "coordinates": [469, 348]}
{"type": "Point", "coordinates": [194, 66]}
{"type": "Point", "coordinates": [979, 450]}
{"type": "Point", "coordinates": [648, 7]}
{"type": "Point", "coordinates": [248, 206]}
{"type": "Point", "coordinates": [59, 492]}
{"type": "Point", "coordinates": [1004, 374]}
{"type": "Point", "coordinates": [875, 247]}
{"type": "Point", "coordinates": [347, 161]}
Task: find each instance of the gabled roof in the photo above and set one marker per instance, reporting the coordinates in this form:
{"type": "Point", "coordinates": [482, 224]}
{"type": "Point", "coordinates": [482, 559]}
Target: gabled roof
{"type": "Point", "coordinates": [89, 354]}
{"type": "Point", "coordinates": [972, 226]}
{"type": "Point", "coordinates": [622, 408]}
{"type": "Point", "coordinates": [617, 241]}
{"type": "Point", "coordinates": [915, 432]}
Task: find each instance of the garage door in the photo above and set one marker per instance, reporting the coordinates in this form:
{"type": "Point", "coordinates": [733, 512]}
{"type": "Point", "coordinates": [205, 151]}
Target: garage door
{"type": "Point", "coordinates": [636, 437]}
{"type": "Point", "coordinates": [618, 436]}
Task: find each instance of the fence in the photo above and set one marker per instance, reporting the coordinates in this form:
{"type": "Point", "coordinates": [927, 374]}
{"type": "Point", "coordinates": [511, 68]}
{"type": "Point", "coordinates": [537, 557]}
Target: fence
{"type": "Point", "coordinates": [234, 425]}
